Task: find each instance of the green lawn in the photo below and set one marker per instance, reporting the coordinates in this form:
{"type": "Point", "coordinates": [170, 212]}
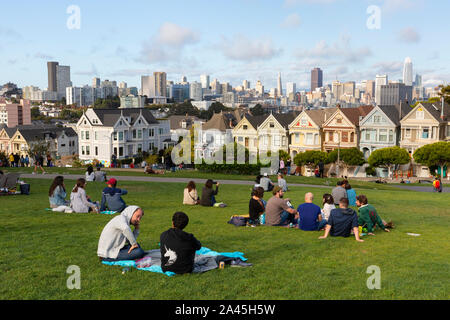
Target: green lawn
{"type": "Point", "coordinates": [38, 246]}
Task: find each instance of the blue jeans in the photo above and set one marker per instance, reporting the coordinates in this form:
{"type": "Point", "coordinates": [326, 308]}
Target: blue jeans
{"type": "Point", "coordinates": [213, 200]}
{"type": "Point", "coordinates": [286, 218]}
{"type": "Point", "coordinates": [322, 224]}
{"type": "Point", "coordinates": [135, 254]}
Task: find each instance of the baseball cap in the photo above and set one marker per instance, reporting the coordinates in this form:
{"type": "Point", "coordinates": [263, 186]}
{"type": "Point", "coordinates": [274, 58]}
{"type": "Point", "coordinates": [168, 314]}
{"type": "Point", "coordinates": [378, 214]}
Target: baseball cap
{"type": "Point", "coordinates": [275, 190]}
{"type": "Point", "coordinates": [111, 181]}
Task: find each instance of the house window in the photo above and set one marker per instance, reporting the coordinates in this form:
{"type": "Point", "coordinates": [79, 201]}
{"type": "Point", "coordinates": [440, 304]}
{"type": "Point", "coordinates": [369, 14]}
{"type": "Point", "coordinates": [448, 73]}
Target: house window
{"type": "Point", "coordinates": [63, 145]}
{"type": "Point", "coordinates": [151, 146]}
{"type": "Point", "coordinates": [316, 139]}
{"type": "Point", "coordinates": [383, 135]}
{"type": "Point", "coordinates": [82, 150]}
{"type": "Point", "coordinates": [120, 151]}
{"type": "Point", "coordinates": [304, 122]}
{"type": "Point", "coordinates": [352, 137]}
{"type": "Point", "coordinates": [115, 136]}
{"type": "Point", "coordinates": [120, 123]}
{"type": "Point", "coordinates": [391, 135]}
{"type": "Point", "coordinates": [425, 133]}
{"type": "Point", "coordinates": [244, 127]}
{"type": "Point", "coordinates": [344, 136]}
{"type": "Point", "coordinates": [271, 125]}
{"type": "Point", "coordinates": [408, 133]}
{"type": "Point", "coordinates": [139, 134]}
{"type": "Point", "coordinates": [87, 135]}
{"type": "Point", "coordinates": [120, 135]}
{"type": "Point", "coordinates": [276, 140]}
{"type": "Point", "coordinates": [330, 136]}
{"type": "Point", "coordinates": [376, 119]}
{"type": "Point", "coordinates": [95, 135]}
{"type": "Point", "coordinates": [82, 135]}
{"type": "Point", "coordinates": [338, 120]}
{"type": "Point", "coordinates": [183, 124]}
{"type": "Point", "coordinates": [240, 139]}
{"type": "Point", "coordinates": [88, 150]}
{"type": "Point", "coordinates": [420, 115]}
{"type": "Point", "coordinates": [151, 132]}
{"type": "Point", "coordinates": [309, 139]}
{"type": "Point", "coordinates": [139, 148]}
{"type": "Point", "coordinates": [297, 137]}
{"type": "Point", "coordinates": [161, 131]}
{"type": "Point", "coordinates": [134, 134]}
{"type": "Point", "coordinates": [367, 135]}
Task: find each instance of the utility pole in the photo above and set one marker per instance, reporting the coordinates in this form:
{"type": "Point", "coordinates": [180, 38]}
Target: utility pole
{"type": "Point", "coordinates": [338, 160]}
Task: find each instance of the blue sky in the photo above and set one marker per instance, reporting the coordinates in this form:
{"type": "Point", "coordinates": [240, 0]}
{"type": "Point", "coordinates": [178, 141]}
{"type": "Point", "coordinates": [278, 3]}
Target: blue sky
{"type": "Point", "coordinates": [230, 40]}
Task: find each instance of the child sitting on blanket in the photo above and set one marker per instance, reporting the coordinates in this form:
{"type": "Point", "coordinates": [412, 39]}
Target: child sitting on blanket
{"type": "Point", "coordinates": [178, 247]}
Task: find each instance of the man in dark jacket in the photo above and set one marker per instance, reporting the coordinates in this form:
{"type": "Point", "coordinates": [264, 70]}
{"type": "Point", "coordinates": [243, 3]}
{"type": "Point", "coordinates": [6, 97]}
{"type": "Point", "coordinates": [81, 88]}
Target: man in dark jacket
{"type": "Point", "coordinates": [342, 221]}
{"type": "Point", "coordinates": [178, 247]}
{"type": "Point", "coordinates": [112, 197]}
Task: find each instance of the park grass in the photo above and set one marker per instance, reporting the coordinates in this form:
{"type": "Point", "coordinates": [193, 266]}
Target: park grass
{"type": "Point", "coordinates": [38, 246]}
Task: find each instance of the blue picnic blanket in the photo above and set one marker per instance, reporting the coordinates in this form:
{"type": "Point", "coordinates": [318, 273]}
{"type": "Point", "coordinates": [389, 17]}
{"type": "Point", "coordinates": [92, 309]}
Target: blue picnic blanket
{"type": "Point", "coordinates": [157, 268]}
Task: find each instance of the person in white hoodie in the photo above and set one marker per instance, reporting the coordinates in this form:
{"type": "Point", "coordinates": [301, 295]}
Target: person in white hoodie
{"type": "Point", "coordinates": [117, 241]}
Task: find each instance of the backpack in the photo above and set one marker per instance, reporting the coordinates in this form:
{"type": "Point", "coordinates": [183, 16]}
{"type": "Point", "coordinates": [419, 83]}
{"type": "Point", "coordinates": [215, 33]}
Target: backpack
{"type": "Point", "coordinates": [238, 221]}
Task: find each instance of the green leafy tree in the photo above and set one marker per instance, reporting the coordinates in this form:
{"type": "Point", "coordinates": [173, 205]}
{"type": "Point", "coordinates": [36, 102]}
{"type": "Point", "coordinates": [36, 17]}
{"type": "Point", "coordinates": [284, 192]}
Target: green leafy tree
{"type": "Point", "coordinates": [347, 157]}
{"type": "Point", "coordinates": [38, 147]}
{"type": "Point", "coordinates": [107, 103]}
{"type": "Point", "coordinates": [310, 158]}
{"type": "Point", "coordinates": [35, 113]}
{"type": "Point", "coordinates": [257, 110]}
{"type": "Point", "coordinates": [435, 154]}
{"type": "Point", "coordinates": [389, 157]}
{"type": "Point", "coordinates": [445, 92]}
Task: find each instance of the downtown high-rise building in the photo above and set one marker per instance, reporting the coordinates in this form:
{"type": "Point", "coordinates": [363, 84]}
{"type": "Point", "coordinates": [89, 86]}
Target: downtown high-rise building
{"type": "Point", "coordinates": [246, 84]}
{"type": "Point", "coordinates": [279, 86]}
{"type": "Point", "coordinates": [380, 80]}
{"type": "Point", "coordinates": [259, 88]}
{"type": "Point", "coordinates": [394, 93]}
{"type": "Point", "coordinates": [195, 91]}
{"type": "Point", "coordinates": [58, 78]}
{"type": "Point", "coordinates": [316, 79]}
{"type": "Point", "coordinates": [154, 85]}
{"type": "Point", "coordinates": [96, 82]}
{"type": "Point", "coordinates": [408, 72]}
{"type": "Point", "coordinates": [204, 80]}
{"type": "Point", "coordinates": [290, 88]}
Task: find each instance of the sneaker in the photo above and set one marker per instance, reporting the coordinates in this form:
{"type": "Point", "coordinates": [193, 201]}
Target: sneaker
{"type": "Point", "coordinates": [239, 263]}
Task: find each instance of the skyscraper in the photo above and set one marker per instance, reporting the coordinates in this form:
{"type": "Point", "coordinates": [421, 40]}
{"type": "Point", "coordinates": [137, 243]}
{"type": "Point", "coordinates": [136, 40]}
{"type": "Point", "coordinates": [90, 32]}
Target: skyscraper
{"type": "Point", "coordinates": [259, 88]}
{"type": "Point", "coordinates": [279, 86]}
{"type": "Point", "coordinates": [204, 80]}
{"type": "Point", "coordinates": [381, 80]}
{"type": "Point", "coordinates": [408, 72]}
{"type": "Point", "coordinates": [155, 85]}
{"type": "Point", "coordinates": [96, 82]}
{"type": "Point", "coordinates": [51, 68]}
{"type": "Point", "coordinates": [290, 88]}
{"type": "Point", "coordinates": [316, 79]}
{"type": "Point", "coordinates": [58, 78]}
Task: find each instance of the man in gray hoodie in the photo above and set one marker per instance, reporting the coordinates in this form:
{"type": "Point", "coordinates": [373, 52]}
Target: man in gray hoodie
{"type": "Point", "coordinates": [117, 241]}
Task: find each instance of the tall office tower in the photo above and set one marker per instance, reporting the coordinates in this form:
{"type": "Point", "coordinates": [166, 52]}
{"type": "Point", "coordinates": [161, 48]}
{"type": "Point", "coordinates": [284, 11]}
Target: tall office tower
{"type": "Point", "coordinates": [123, 85]}
{"type": "Point", "coordinates": [51, 68]}
{"type": "Point", "coordinates": [408, 72]}
{"type": "Point", "coordinates": [183, 79]}
{"type": "Point", "coordinates": [204, 79]}
{"type": "Point", "coordinates": [62, 80]}
{"type": "Point", "coordinates": [349, 88]}
{"type": "Point", "coordinates": [246, 84]}
{"type": "Point", "coordinates": [96, 82]}
{"type": "Point", "coordinates": [370, 88]}
{"type": "Point", "coordinates": [195, 91]}
{"type": "Point", "coordinates": [226, 87]}
{"type": "Point", "coordinates": [290, 88]}
{"type": "Point", "coordinates": [393, 93]}
{"type": "Point", "coordinates": [259, 88]}
{"type": "Point", "coordinates": [418, 82]}
{"type": "Point", "coordinates": [381, 80]}
{"type": "Point", "coordinates": [279, 86]}
{"type": "Point", "coordinates": [155, 85]}
{"type": "Point", "coordinates": [216, 87]}
{"type": "Point", "coordinates": [337, 89]}
{"type": "Point", "coordinates": [316, 79]}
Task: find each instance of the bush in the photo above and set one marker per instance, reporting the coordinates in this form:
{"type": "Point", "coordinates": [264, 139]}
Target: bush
{"type": "Point", "coordinates": [247, 169]}
{"type": "Point", "coordinates": [371, 171]}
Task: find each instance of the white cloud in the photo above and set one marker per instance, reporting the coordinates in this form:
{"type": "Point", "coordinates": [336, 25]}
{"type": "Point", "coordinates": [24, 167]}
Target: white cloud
{"type": "Point", "coordinates": [92, 72]}
{"type": "Point", "coordinates": [398, 5]}
{"type": "Point", "coordinates": [408, 35]}
{"type": "Point", "coordinates": [40, 55]}
{"type": "Point", "coordinates": [244, 49]}
{"type": "Point", "coordinates": [386, 67]}
{"type": "Point", "coordinates": [291, 21]}
{"type": "Point", "coordinates": [167, 44]}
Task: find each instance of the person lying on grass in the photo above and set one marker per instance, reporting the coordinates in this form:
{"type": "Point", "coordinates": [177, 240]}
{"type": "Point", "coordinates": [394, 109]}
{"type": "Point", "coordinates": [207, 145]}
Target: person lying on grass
{"type": "Point", "coordinates": [178, 247]}
{"type": "Point", "coordinates": [117, 241]}
{"type": "Point", "coordinates": [368, 216]}
{"type": "Point", "coordinates": [342, 221]}
{"type": "Point", "coordinates": [112, 197]}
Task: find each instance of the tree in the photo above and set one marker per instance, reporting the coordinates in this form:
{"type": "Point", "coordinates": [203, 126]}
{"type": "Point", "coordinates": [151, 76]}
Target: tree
{"type": "Point", "coordinates": [107, 103]}
{"type": "Point", "coordinates": [216, 107]}
{"type": "Point", "coordinates": [35, 113]}
{"type": "Point", "coordinates": [310, 158]}
{"type": "Point", "coordinates": [347, 157]}
{"type": "Point", "coordinates": [38, 147]}
{"type": "Point", "coordinates": [389, 157]}
{"type": "Point", "coordinates": [435, 154]}
{"type": "Point", "coordinates": [257, 110]}
{"type": "Point", "coordinates": [445, 92]}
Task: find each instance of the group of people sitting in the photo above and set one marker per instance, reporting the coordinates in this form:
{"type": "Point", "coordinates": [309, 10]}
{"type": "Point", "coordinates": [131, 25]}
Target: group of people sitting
{"type": "Point", "coordinates": [267, 184]}
{"type": "Point", "coordinates": [208, 198]}
{"type": "Point", "coordinates": [80, 202]}
{"type": "Point", "coordinates": [336, 218]}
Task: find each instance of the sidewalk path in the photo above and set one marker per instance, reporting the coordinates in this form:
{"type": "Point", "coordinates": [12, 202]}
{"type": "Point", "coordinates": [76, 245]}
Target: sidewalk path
{"type": "Point", "coordinates": [202, 181]}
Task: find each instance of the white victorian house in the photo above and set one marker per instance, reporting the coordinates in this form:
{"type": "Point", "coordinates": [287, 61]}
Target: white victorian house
{"type": "Point", "coordinates": [246, 131]}
{"type": "Point", "coordinates": [273, 132]}
{"type": "Point", "coordinates": [123, 132]}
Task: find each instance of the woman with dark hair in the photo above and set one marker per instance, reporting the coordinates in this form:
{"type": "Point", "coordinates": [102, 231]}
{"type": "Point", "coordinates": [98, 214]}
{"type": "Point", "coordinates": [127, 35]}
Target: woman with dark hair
{"type": "Point", "coordinates": [90, 175]}
{"type": "Point", "coordinates": [256, 206]}
{"type": "Point", "coordinates": [79, 201]}
{"type": "Point", "coordinates": [208, 194]}
{"type": "Point", "coordinates": [328, 205]}
{"type": "Point", "coordinates": [57, 193]}
{"type": "Point", "coordinates": [190, 194]}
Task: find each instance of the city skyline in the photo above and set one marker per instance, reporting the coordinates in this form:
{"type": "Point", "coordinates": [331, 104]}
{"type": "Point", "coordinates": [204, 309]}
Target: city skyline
{"type": "Point", "coordinates": [110, 44]}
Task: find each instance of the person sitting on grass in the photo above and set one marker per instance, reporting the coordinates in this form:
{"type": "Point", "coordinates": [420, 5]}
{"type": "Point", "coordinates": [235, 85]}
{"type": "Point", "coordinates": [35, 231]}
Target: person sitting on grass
{"type": "Point", "coordinates": [79, 201]}
{"type": "Point", "coordinates": [190, 196]}
{"type": "Point", "coordinates": [208, 194]}
{"type": "Point", "coordinates": [351, 194]}
{"type": "Point", "coordinates": [100, 175]}
{"type": "Point", "coordinates": [266, 183]}
{"type": "Point", "coordinates": [328, 205]}
{"type": "Point", "coordinates": [57, 193]}
{"type": "Point", "coordinates": [256, 206]}
{"type": "Point", "coordinates": [342, 222]}
{"type": "Point", "coordinates": [368, 216]}
{"type": "Point", "coordinates": [112, 197]}
{"type": "Point", "coordinates": [310, 215]}
{"type": "Point", "coordinates": [279, 212]}
{"type": "Point", "coordinates": [338, 192]}
{"type": "Point", "coordinates": [282, 182]}
{"type": "Point", "coordinates": [90, 175]}
{"type": "Point", "coordinates": [178, 247]}
{"type": "Point", "coordinates": [117, 241]}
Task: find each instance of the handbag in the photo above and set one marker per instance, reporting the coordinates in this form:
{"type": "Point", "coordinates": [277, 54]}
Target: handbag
{"type": "Point", "coordinates": [238, 221]}
{"type": "Point", "coordinates": [25, 188]}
